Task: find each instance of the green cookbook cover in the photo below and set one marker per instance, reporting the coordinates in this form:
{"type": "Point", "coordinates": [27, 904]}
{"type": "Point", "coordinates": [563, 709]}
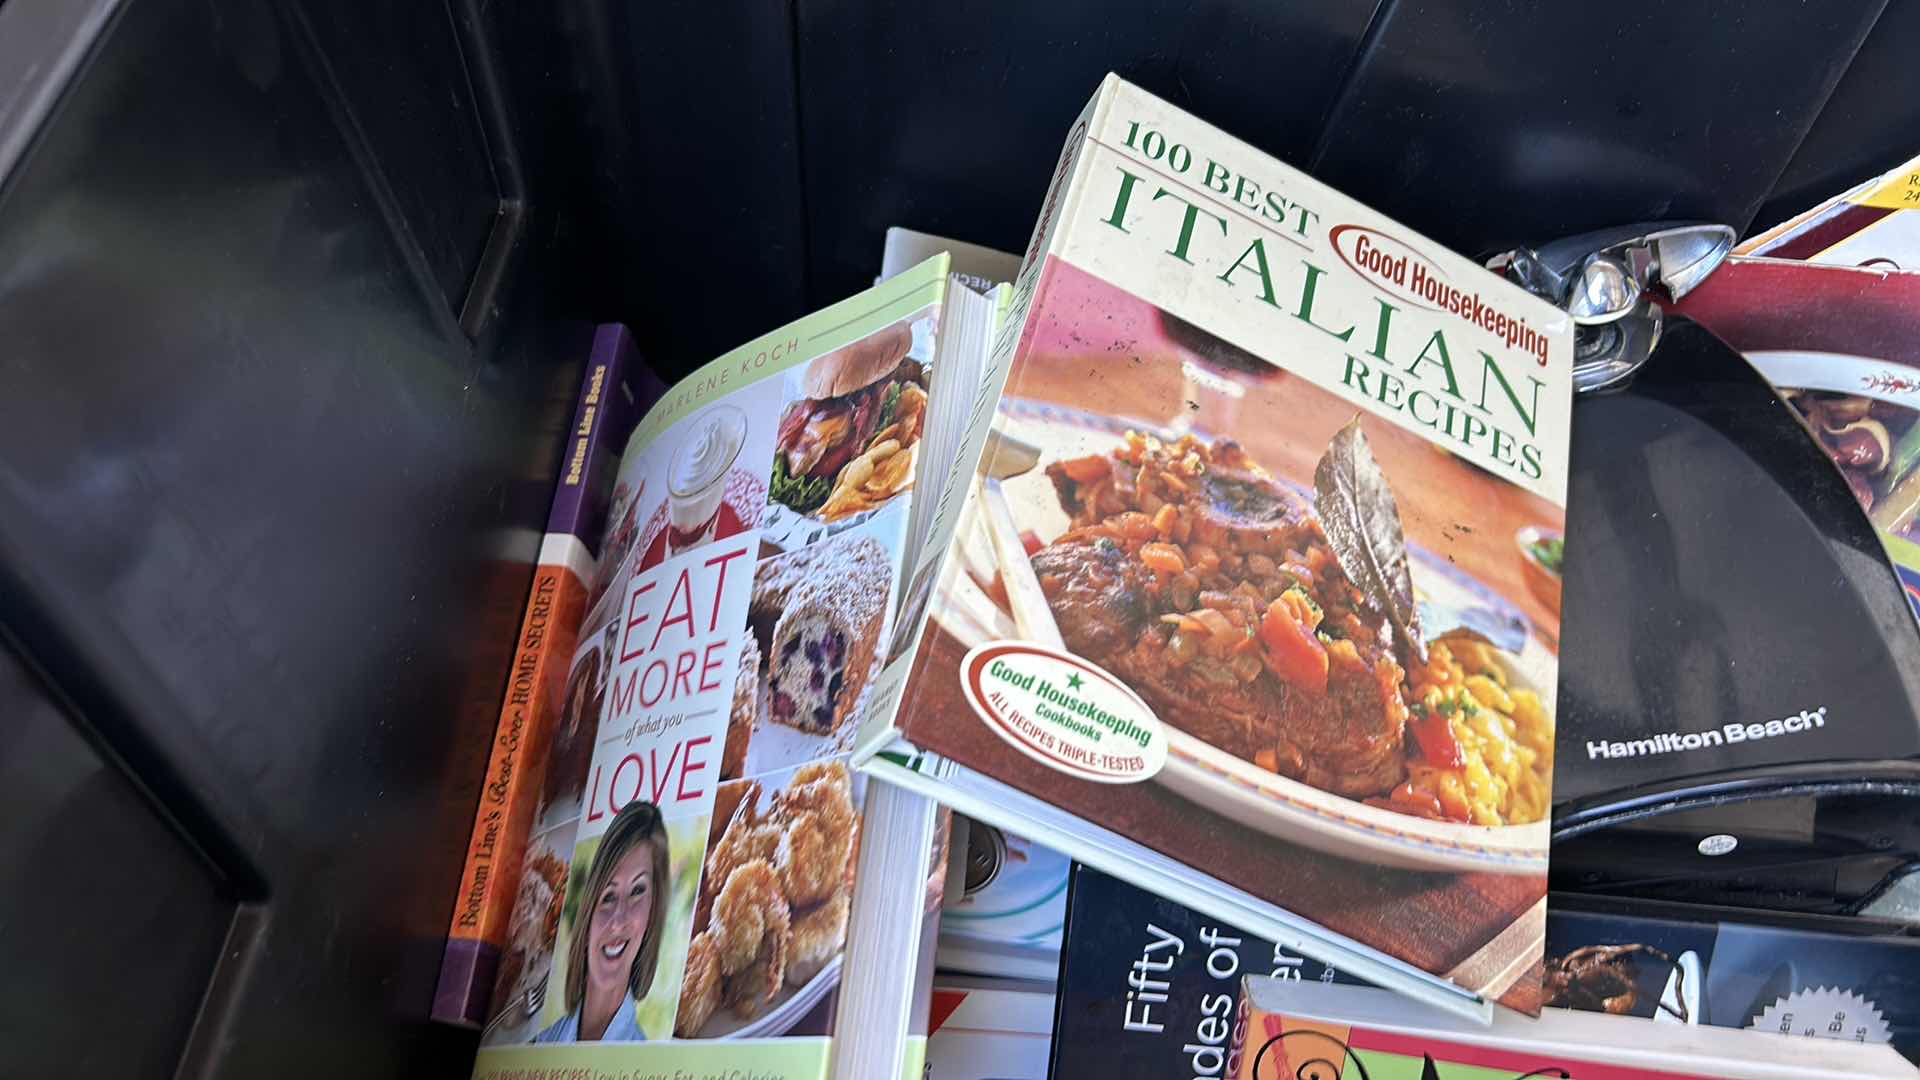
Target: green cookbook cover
{"type": "Point", "coordinates": [705, 897]}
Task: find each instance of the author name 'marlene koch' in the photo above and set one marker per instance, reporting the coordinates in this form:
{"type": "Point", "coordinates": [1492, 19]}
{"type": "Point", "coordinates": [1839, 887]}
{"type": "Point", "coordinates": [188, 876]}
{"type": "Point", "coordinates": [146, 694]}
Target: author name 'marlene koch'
{"type": "Point", "coordinates": [1671, 742]}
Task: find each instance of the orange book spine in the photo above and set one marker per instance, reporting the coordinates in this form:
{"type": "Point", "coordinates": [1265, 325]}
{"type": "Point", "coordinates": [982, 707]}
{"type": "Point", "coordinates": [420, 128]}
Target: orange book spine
{"type": "Point", "coordinates": [548, 633]}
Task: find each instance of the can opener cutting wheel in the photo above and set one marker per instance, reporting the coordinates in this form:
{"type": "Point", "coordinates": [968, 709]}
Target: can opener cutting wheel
{"type": "Point", "coordinates": [1606, 280]}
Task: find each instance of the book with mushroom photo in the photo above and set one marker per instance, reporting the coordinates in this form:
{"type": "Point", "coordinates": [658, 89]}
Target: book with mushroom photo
{"type": "Point", "coordinates": [712, 885]}
{"type": "Point", "coordinates": [1247, 590]}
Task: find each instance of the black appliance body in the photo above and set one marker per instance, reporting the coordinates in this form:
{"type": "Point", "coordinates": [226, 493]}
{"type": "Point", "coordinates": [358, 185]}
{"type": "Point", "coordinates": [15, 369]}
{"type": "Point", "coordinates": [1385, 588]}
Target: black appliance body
{"type": "Point", "coordinates": [1737, 709]}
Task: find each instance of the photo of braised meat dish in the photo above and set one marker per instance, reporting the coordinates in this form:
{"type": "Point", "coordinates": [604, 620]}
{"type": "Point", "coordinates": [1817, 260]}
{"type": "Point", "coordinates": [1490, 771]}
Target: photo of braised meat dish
{"type": "Point", "coordinates": [1215, 592]}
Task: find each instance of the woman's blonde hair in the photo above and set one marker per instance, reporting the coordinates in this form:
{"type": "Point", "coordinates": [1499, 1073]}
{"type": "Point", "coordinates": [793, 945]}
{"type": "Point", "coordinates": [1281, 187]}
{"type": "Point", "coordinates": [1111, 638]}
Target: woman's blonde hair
{"type": "Point", "coordinates": [637, 823]}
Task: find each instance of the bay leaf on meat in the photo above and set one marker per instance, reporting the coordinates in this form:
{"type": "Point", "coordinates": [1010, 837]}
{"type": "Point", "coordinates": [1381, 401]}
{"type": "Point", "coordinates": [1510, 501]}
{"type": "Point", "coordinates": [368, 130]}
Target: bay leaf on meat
{"type": "Point", "coordinates": [1362, 522]}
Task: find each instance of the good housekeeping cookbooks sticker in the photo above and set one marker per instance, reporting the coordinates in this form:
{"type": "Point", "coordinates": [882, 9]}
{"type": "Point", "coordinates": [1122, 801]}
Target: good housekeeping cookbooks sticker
{"type": "Point", "coordinates": [1064, 712]}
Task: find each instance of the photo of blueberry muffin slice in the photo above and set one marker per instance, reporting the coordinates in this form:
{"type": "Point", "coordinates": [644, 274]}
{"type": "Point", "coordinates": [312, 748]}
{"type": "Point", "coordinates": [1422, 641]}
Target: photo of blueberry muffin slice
{"type": "Point", "coordinates": [821, 609]}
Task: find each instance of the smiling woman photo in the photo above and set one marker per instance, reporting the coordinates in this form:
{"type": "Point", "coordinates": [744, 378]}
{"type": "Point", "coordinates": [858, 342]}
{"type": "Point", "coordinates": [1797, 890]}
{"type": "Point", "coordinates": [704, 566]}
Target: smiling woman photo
{"type": "Point", "coordinates": [616, 947]}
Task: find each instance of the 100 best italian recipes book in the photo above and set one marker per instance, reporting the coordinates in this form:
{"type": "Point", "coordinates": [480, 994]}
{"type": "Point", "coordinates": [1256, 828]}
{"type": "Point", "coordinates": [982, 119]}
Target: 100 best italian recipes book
{"type": "Point", "coordinates": [1236, 602]}
{"type": "Point", "coordinates": [692, 881]}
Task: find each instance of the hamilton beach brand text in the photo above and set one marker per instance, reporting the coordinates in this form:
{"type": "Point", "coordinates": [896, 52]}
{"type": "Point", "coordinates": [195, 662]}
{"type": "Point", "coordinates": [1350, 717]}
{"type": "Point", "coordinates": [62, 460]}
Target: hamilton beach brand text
{"type": "Point", "coordinates": [1671, 742]}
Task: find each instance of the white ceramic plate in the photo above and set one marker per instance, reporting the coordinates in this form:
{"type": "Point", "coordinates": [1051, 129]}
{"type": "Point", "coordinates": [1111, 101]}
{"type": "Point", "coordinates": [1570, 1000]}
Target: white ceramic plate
{"type": "Point", "coordinates": [779, 1017]}
{"type": "Point", "coordinates": [1864, 376]}
{"type": "Point", "coordinates": [788, 529]}
{"type": "Point", "coordinates": [1336, 825]}
{"type": "Point", "coordinates": [1238, 789]}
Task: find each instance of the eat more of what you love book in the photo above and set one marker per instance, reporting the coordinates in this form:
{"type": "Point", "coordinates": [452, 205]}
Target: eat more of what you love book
{"type": "Point", "coordinates": [1230, 596]}
{"type": "Point", "coordinates": [720, 892]}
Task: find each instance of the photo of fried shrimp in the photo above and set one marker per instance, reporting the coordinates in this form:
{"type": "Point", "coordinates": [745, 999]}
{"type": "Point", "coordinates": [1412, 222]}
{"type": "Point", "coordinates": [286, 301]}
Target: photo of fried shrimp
{"type": "Point", "coordinates": [775, 897]}
{"type": "Point", "coordinates": [817, 936]}
{"type": "Point", "coordinates": [750, 990]}
{"type": "Point", "coordinates": [815, 847]}
{"type": "Point", "coordinates": [700, 989]}
{"type": "Point", "coordinates": [751, 919]}
{"type": "Point", "coordinates": [745, 839]}
{"type": "Point", "coordinates": [803, 792]}
{"type": "Point", "coordinates": [812, 859]}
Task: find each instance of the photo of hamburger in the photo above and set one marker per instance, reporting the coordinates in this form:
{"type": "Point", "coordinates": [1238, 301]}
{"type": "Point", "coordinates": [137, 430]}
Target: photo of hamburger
{"type": "Point", "coordinates": [846, 445]}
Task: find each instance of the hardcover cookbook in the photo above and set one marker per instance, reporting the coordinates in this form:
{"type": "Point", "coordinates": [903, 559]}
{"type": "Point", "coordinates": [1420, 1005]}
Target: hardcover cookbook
{"type": "Point", "coordinates": [712, 888]}
{"type": "Point", "coordinates": [1165, 1002]}
{"type": "Point", "coordinates": [1285, 1030]}
{"type": "Point", "coordinates": [1240, 598]}
{"type": "Point", "coordinates": [1840, 344]}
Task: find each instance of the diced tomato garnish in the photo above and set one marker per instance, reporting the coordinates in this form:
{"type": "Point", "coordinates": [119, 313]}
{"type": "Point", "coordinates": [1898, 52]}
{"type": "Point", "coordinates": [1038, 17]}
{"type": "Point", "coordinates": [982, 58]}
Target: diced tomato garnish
{"type": "Point", "coordinates": [1437, 744]}
{"type": "Point", "coordinates": [1293, 653]}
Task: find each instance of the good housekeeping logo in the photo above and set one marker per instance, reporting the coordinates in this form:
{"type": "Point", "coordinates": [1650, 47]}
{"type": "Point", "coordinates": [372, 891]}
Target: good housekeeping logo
{"type": "Point", "coordinates": [1063, 712]}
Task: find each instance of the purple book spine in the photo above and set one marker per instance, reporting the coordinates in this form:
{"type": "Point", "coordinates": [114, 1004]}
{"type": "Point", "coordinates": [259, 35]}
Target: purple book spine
{"type": "Point", "coordinates": [615, 391]}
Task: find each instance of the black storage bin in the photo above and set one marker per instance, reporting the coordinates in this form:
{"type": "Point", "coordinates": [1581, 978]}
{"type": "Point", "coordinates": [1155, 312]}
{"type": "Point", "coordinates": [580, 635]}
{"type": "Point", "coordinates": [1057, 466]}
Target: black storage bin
{"type": "Point", "coordinates": [292, 296]}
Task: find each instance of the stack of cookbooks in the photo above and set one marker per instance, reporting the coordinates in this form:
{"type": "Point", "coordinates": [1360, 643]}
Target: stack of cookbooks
{"type": "Point", "coordinates": [711, 876]}
{"type": "Point", "coordinates": [1190, 556]}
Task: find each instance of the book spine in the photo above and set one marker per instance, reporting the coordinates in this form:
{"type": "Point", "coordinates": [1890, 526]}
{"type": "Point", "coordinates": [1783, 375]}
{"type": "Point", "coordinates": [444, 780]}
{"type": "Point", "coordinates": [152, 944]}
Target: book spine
{"type": "Point", "coordinates": [1009, 331]}
{"type": "Point", "coordinates": [612, 395]}
{"type": "Point", "coordinates": [615, 391]}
